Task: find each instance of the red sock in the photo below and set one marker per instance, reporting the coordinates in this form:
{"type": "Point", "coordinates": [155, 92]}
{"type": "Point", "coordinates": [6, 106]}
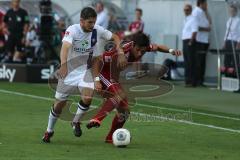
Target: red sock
{"type": "Point", "coordinates": [106, 108]}
{"type": "Point", "coordinates": [117, 123]}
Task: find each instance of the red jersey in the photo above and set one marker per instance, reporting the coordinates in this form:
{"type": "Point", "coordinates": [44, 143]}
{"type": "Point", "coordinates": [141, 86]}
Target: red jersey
{"type": "Point", "coordinates": [136, 25]}
{"type": "Point", "coordinates": [110, 71]}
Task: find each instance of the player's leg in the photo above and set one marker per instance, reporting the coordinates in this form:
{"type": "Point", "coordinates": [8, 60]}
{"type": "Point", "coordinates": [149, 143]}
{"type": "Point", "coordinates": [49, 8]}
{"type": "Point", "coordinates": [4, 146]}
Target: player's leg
{"type": "Point", "coordinates": [56, 110]}
{"type": "Point", "coordinates": [113, 95]}
{"type": "Point", "coordinates": [82, 108]}
{"type": "Point", "coordinates": [119, 119]}
{"type": "Point", "coordinates": [18, 55]}
{"type": "Point", "coordinates": [107, 106]}
{"type": "Point", "coordinates": [54, 114]}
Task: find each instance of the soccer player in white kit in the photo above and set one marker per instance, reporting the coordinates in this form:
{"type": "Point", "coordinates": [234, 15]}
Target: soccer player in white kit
{"type": "Point", "coordinates": [79, 43]}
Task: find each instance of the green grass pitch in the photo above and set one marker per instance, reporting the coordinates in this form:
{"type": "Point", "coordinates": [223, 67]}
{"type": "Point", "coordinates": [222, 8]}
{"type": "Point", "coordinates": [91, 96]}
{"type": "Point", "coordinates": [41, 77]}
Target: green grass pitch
{"type": "Point", "coordinates": [210, 130]}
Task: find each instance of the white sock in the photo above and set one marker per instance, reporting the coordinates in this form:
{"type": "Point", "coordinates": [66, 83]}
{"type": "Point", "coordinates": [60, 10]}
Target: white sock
{"type": "Point", "coordinates": [80, 112]}
{"type": "Point", "coordinates": [52, 119]}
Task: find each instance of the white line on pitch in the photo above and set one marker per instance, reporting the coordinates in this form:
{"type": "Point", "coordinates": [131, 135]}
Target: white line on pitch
{"type": "Point", "coordinates": [180, 121]}
{"type": "Point", "coordinates": [194, 112]}
{"type": "Point", "coordinates": [187, 122]}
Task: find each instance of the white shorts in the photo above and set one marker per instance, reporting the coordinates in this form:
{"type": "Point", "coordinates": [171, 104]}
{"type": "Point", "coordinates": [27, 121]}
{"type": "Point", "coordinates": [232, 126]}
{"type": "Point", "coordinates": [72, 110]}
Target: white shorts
{"type": "Point", "coordinates": [73, 83]}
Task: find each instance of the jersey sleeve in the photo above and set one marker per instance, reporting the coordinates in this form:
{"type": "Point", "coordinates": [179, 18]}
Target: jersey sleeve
{"type": "Point", "coordinates": [69, 34]}
{"type": "Point", "coordinates": [103, 33]}
{"type": "Point", "coordinates": [194, 24]}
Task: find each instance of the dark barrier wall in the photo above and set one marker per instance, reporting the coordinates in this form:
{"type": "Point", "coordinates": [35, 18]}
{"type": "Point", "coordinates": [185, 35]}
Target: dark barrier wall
{"type": "Point", "coordinates": [34, 73]}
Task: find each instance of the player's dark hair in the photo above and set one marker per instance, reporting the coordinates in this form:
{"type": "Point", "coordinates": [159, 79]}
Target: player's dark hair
{"type": "Point", "coordinates": [141, 40]}
{"type": "Point", "coordinates": [88, 12]}
{"type": "Point", "coordinates": [139, 10]}
{"type": "Point", "coordinates": [199, 2]}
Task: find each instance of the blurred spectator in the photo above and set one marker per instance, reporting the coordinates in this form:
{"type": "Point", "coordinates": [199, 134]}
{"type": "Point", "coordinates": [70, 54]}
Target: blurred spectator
{"type": "Point", "coordinates": [2, 37]}
{"type": "Point", "coordinates": [16, 21]}
{"type": "Point", "coordinates": [102, 15]}
{"type": "Point", "coordinates": [232, 37]}
{"type": "Point", "coordinates": [61, 27]}
{"type": "Point", "coordinates": [137, 25]}
{"type": "Point", "coordinates": [113, 25]}
{"type": "Point", "coordinates": [32, 43]}
{"type": "Point", "coordinates": [190, 29]}
{"type": "Point", "coordinates": [201, 16]}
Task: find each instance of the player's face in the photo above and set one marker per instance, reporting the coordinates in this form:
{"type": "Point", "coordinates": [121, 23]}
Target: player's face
{"type": "Point", "coordinates": [233, 12]}
{"type": "Point", "coordinates": [187, 10]}
{"type": "Point", "coordinates": [138, 51]}
{"type": "Point", "coordinates": [15, 3]}
{"type": "Point", "coordinates": [138, 14]}
{"type": "Point", "coordinates": [87, 24]}
{"type": "Point", "coordinates": [204, 6]}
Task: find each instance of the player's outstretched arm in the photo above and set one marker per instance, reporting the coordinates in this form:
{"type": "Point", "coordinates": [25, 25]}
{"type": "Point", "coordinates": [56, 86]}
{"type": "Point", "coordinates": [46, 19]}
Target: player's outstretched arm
{"type": "Point", "coordinates": [165, 49]}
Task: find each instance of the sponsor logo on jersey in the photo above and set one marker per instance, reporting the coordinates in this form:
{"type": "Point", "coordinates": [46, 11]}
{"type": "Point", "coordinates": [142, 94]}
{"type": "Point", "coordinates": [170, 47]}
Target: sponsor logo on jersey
{"type": "Point", "coordinates": [82, 46]}
{"type": "Point", "coordinates": [67, 33]}
{"type": "Point", "coordinates": [108, 58]}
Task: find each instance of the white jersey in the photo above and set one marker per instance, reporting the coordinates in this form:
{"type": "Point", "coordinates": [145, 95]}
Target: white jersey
{"type": "Point", "coordinates": [82, 42]}
{"type": "Point", "coordinates": [83, 45]}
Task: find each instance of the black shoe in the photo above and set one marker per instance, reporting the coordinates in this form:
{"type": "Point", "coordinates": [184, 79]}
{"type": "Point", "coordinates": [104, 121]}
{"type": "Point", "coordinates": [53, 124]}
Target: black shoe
{"type": "Point", "coordinates": [77, 131]}
{"type": "Point", "coordinates": [93, 123]}
{"type": "Point", "coordinates": [47, 136]}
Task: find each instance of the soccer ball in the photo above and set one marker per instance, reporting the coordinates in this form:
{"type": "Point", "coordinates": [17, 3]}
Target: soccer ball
{"type": "Point", "coordinates": [121, 137]}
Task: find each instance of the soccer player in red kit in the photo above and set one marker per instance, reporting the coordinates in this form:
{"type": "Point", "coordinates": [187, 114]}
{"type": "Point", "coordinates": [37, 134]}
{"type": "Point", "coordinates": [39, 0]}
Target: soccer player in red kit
{"type": "Point", "coordinates": [107, 76]}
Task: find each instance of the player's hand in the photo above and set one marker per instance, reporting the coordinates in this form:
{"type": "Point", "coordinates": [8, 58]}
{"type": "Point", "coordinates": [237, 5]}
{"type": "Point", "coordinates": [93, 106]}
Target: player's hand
{"type": "Point", "coordinates": [98, 86]}
{"type": "Point", "coordinates": [122, 61]}
{"type": "Point", "coordinates": [62, 71]}
{"type": "Point", "coordinates": [176, 52]}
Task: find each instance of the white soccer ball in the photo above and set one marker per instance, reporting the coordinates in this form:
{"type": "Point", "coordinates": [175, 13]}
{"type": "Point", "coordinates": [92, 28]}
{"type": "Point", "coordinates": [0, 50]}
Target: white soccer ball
{"type": "Point", "coordinates": [121, 137]}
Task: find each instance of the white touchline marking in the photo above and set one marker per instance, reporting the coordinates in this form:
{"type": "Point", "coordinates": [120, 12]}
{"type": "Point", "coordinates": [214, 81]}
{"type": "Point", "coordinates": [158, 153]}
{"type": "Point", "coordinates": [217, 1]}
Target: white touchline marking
{"type": "Point", "coordinates": [180, 110]}
{"type": "Point", "coordinates": [188, 122]}
{"type": "Point", "coordinates": [26, 95]}
{"type": "Point", "coordinates": [180, 121]}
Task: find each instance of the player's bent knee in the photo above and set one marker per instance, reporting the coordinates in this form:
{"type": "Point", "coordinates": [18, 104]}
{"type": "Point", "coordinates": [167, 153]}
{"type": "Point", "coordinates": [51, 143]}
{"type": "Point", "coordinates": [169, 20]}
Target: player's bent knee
{"type": "Point", "coordinates": [83, 106]}
{"type": "Point", "coordinates": [87, 100]}
{"type": "Point", "coordinates": [59, 105]}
